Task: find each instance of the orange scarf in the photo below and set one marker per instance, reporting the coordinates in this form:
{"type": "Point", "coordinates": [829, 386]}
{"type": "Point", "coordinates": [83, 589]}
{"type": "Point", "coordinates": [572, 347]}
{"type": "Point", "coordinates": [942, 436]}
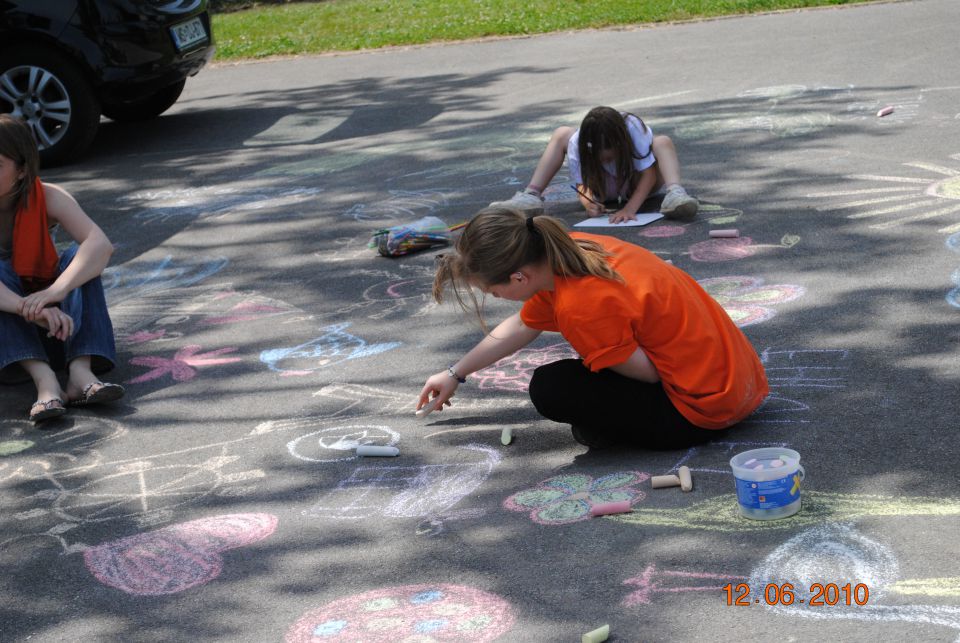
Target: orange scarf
{"type": "Point", "coordinates": [34, 255]}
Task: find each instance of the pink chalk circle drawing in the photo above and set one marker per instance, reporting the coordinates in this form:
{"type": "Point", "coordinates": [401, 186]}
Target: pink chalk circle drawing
{"type": "Point", "coordinates": [716, 250]}
{"type": "Point", "coordinates": [12, 447]}
{"type": "Point", "coordinates": [747, 300]}
{"type": "Point", "coordinates": [408, 614]}
{"type": "Point", "coordinates": [175, 558]}
{"type": "Point", "coordinates": [660, 231]}
{"type": "Point", "coordinates": [513, 373]}
{"type": "Point", "coordinates": [568, 498]}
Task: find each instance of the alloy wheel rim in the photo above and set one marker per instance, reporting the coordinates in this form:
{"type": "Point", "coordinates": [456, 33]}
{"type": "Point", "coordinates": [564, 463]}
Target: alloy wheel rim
{"type": "Point", "coordinates": [37, 96]}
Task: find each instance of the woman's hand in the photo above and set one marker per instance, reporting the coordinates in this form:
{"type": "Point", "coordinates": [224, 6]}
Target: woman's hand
{"type": "Point", "coordinates": [438, 390]}
{"type": "Point", "coordinates": [623, 215]}
{"type": "Point", "coordinates": [58, 323]}
{"type": "Point", "coordinates": [33, 304]}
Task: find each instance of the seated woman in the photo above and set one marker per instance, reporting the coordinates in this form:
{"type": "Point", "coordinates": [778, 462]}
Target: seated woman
{"type": "Point", "coordinates": [53, 313]}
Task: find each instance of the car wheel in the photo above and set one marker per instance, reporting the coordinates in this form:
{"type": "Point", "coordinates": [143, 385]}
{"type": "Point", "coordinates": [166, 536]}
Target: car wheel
{"type": "Point", "coordinates": [51, 93]}
{"type": "Point", "coordinates": [147, 108]}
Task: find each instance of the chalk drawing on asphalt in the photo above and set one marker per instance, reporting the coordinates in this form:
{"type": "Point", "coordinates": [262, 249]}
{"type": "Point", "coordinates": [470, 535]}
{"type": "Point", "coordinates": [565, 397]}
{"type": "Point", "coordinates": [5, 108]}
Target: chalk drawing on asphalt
{"type": "Point", "coordinates": [653, 581]}
{"type": "Point", "coordinates": [334, 346]}
{"type": "Point", "coordinates": [953, 295]}
{"type": "Point", "coordinates": [409, 294]}
{"type": "Point", "coordinates": [902, 199]}
{"type": "Point", "coordinates": [407, 491]}
{"type": "Point", "coordinates": [334, 444]}
{"type": "Point", "coordinates": [844, 555]}
{"type": "Point", "coordinates": [513, 373]}
{"type": "Point", "coordinates": [175, 558]}
{"type": "Point", "coordinates": [134, 280]}
{"type": "Point", "coordinates": [719, 250]}
{"type": "Point", "coordinates": [747, 299]}
{"type": "Point", "coordinates": [183, 365]}
{"type": "Point", "coordinates": [568, 498]}
{"type": "Point", "coordinates": [415, 613]}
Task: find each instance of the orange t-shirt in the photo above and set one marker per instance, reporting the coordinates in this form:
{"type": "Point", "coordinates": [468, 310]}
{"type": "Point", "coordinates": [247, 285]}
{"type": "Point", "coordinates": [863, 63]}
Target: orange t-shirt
{"type": "Point", "coordinates": [707, 366]}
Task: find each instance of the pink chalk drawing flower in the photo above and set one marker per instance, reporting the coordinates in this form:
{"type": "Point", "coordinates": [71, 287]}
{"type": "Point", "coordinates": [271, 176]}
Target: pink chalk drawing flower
{"type": "Point", "coordinates": [513, 373]}
{"type": "Point", "coordinates": [182, 367]}
{"type": "Point", "coordinates": [747, 300]}
{"type": "Point", "coordinates": [568, 498]}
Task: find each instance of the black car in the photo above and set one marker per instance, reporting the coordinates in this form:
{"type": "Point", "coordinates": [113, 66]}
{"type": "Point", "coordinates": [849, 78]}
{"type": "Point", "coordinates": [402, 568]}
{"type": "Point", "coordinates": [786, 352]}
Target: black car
{"type": "Point", "coordinates": [63, 63]}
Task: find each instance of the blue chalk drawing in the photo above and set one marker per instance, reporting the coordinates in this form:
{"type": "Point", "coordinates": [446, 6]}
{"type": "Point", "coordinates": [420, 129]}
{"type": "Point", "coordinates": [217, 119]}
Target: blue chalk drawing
{"type": "Point", "coordinates": [128, 281]}
{"type": "Point", "coordinates": [333, 347]}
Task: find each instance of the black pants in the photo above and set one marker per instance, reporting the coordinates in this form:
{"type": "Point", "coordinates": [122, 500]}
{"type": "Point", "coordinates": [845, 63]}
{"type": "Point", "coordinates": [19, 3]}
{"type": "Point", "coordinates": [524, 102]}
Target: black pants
{"type": "Point", "coordinates": [613, 406]}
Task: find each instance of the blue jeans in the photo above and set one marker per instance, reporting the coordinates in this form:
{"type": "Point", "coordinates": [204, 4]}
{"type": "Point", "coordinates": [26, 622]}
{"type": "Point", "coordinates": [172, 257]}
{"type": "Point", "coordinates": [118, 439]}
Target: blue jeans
{"type": "Point", "coordinates": [92, 332]}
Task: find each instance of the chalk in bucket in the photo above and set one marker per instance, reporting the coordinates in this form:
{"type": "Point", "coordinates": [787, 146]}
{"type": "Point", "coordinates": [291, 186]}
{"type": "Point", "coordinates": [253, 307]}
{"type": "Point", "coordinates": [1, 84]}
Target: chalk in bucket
{"type": "Point", "coordinates": [768, 482]}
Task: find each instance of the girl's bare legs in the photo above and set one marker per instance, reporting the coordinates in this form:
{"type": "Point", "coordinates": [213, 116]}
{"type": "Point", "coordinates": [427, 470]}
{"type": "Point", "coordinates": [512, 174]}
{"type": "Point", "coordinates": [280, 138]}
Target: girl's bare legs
{"type": "Point", "coordinates": [677, 204]}
{"type": "Point", "coordinates": [80, 377]}
{"type": "Point", "coordinates": [530, 199]}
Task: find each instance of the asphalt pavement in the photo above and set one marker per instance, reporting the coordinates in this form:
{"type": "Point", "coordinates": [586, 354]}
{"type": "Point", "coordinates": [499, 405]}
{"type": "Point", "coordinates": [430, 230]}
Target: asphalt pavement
{"type": "Point", "coordinates": [261, 340]}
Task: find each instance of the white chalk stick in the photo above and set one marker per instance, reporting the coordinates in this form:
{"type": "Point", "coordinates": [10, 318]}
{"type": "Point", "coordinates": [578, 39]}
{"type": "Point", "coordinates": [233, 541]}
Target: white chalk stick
{"type": "Point", "coordinates": [686, 480]}
{"type": "Point", "coordinates": [377, 451]}
{"type": "Point", "coordinates": [885, 111]}
{"type": "Point", "coordinates": [725, 234]}
{"type": "Point", "coordinates": [659, 482]}
{"type": "Point", "coordinates": [669, 261]}
{"type": "Point", "coordinates": [749, 462]}
{"type": "Point", "coordinates": [428, 408]}
{"type": "Point", "coordinates": [506, 436]}
{"type": "Point", "coordinates": [596, 636]}
{"type": "Point", "coordinates": [776, 464]}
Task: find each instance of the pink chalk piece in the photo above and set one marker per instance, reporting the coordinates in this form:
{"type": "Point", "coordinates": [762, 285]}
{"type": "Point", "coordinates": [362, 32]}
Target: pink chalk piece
{"type": "Point", "coordinates": [175, 558]}
{"type": "Point", "coordinates": [758, 467]}
{"type": "Point", "coordinates": [606, 508]}
{"type": "Point", "coordinates": [776, 464]}
{"type": "Point", "coordinates": [729, 233]}
{"type": "Point", "coordinates": [885, 111]}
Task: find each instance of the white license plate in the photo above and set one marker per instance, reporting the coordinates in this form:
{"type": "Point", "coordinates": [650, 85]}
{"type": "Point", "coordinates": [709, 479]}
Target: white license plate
{"type": "Point", "coordinates": [188, 33]}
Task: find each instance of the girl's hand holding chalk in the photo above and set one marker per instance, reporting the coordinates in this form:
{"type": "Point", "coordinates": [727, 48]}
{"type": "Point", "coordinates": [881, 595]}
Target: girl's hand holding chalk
{"type": "Point", "coordinates": [431, 406]}
{"type": "Point", "coordinates": [438, 390]}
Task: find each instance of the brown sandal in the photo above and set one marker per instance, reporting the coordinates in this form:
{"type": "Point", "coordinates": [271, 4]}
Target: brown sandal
{"type": "Point", "coordinates": [106, 393]}
{"type": "Point", "coordinates": [47, 410]}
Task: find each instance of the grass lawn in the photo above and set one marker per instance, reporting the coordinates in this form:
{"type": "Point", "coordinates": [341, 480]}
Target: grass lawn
{"type": "Point", "coordinates": [343, 25]}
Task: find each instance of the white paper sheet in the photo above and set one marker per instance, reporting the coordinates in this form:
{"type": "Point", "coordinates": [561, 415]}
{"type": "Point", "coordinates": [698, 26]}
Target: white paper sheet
{"type": "Point", "coordinates": [643, 218]}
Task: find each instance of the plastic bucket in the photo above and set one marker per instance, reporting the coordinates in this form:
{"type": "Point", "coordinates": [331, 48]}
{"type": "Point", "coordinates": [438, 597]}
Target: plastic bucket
{"type": "Point", "coordinates": [768, 482]}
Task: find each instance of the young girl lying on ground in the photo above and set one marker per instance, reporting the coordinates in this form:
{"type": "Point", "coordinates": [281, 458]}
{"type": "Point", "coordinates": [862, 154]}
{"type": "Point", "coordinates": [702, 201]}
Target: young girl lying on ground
{"type": "Point", "coordinates": [662, 365]}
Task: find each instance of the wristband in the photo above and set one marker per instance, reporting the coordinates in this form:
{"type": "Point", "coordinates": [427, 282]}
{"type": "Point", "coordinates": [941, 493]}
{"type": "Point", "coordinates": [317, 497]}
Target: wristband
{"type": "Point", "coordinates": [452, 373]}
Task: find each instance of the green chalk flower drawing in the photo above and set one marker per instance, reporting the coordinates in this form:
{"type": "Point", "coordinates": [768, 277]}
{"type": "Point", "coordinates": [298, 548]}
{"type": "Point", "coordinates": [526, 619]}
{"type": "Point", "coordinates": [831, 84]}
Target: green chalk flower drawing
{"type": "Point", "coordinates": [568, 498]}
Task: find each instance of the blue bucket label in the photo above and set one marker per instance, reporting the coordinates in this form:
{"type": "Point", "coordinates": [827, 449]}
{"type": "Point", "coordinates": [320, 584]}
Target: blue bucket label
{"type": "Point", "coordinates": [769, 494]}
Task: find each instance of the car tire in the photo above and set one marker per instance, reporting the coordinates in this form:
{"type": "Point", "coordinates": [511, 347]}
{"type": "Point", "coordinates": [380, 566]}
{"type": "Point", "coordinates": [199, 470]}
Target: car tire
{"type": "Point", "coordinates": [147, 108]}
{"type": "Point", "coordinates": [52, 94]}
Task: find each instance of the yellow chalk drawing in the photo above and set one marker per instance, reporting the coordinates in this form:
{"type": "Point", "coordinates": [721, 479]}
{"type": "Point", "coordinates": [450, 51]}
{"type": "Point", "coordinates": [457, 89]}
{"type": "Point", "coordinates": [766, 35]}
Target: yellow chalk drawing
{"type": "Point", "coordinates": [928, 587]}
{"type": "Point", "coordinates": [925, 199]}
{"type": "Point", "coordinates": [720, 513]}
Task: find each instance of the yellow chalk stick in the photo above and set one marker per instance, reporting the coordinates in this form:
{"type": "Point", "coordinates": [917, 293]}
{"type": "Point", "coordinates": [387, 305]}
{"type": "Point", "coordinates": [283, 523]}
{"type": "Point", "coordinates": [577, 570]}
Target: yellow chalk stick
{"type": "Point", "coordinates": [596, 636]}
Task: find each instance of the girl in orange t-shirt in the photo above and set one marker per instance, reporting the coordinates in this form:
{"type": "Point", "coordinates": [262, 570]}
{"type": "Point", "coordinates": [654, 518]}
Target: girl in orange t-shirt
{"type": "Point", "coordinates": [661, 365]}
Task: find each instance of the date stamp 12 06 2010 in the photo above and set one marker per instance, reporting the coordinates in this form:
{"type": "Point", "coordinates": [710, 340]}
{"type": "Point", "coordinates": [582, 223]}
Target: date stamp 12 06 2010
{"type": "Point", "coordinates": [820, 594]}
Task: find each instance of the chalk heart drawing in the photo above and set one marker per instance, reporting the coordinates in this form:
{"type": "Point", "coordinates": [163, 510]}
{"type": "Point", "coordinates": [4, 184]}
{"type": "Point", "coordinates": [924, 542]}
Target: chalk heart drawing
{"type": "Point", "coordinates": [332, 347]}
{"type": "Point", "coordinates": [720, 513]}
{"type": "Point", "coordinates": [182, 367]}
{"type": "Point", "coordinates": [339, 442]}
{"type": "Point", "coordinates": [747, 299]}
{"type": "Point", "coordinates": [175, 558]}
{"type": "Point", "coordinates": [568, 498]}
{"type": "Point", "coordinates": [513, 373]}
{"type": "Point", "coordinates": [839, 553]}
{"type": "Point", "coordinates": [900, 199]}
{"type": "Point", "coordinates": [717, 250]}
{"type": "Point", "coordinates": [408, 614]}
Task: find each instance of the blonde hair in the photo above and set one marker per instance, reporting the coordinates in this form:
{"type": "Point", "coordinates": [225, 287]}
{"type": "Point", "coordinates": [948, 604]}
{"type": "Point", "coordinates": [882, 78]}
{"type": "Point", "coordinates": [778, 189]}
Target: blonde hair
{"type": "Point", "coordinates": [499, 241]}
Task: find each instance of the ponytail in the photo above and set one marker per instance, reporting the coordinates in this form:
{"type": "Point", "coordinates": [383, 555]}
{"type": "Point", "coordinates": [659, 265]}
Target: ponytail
{"type": "Point", "coordinates": [498, 241]}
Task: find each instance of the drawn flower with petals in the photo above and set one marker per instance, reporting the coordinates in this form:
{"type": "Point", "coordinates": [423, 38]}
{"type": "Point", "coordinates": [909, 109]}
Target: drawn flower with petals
{"type": "Point", "coordinates": [513, 373]}
{"type": "Point", "coordinates": [182, 367]}
{"type": "Point", "coordinates": [568, 498]}
{"type": "Point", "coordinates": [747, 299]}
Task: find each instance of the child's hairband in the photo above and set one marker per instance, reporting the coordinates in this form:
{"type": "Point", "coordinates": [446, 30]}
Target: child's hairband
{"type": "Point", "coordinates": [530, 226]}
